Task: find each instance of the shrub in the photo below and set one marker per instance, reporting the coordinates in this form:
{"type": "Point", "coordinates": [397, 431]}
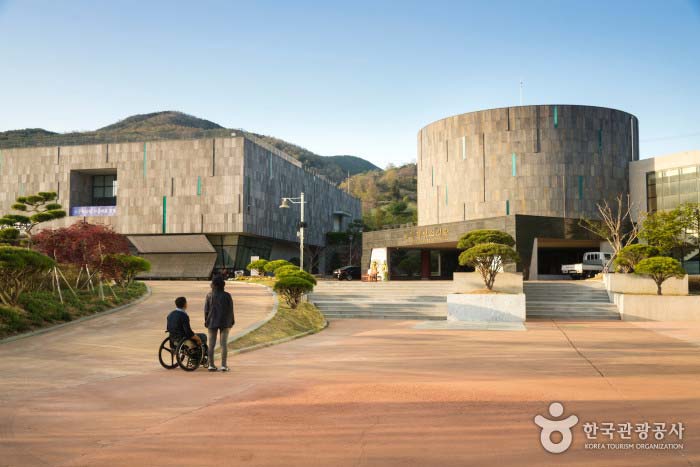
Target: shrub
{"type": "Point", "coordinates": [284, 269]}
{"type": "Point", "coordinates": [487, 259]}
{"type": "Point", "coordinates": [292, 289]}
{"type": "Point", "coordinates": [9, 236]}
{"type": "Point", "coordinates": [43, 306]}
{"type": "Point", "coordinates": [630, 255]}
{"type": "Point", "coordinates": [477, 237]}
{"type": "Point", "coordinates": [13, 320]}
{"type": "Point", "coordinates": [272, 266]}
{"type": "Point", "coordinates": [288, 272]}
{"type": "Point", "coordinates": [660, 268]}
{"type": "Point", "coordinates": [258, 265]}
{"type": "Point", "coordinates": [21, 270]}
{"type": "Point", "coordinates": [81, 244]}
{"type": "Point", "coordinates": [122, 269]}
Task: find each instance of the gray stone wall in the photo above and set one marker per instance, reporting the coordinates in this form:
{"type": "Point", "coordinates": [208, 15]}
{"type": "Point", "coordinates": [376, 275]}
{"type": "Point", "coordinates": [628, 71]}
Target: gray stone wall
{"type": "Point", "coordinates": [567, 158]}
{"type": "Point", "coordinates": [272, 178]}
{"type": "Point", "coordinates": [174, 169]}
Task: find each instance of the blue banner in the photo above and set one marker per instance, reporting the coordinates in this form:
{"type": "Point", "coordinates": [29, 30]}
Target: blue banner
{"type": "Point", "coordinates": [93, 211]}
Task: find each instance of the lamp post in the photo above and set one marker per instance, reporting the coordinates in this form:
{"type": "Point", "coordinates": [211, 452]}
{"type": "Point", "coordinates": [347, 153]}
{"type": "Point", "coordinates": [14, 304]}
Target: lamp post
{"type": "Point", "coordinates": [302, 224]}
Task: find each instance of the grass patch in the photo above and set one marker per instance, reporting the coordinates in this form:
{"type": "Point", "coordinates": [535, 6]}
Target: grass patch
{"type": "Point", "coordinates": [263, 280]}
{"type": "Point", "coordinates": [286, 323]}
{"type": "Point", "coordinates": [42, 309]}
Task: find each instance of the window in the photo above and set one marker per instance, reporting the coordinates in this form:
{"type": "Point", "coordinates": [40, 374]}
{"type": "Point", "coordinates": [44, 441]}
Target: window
{"type": "Point", "coordinates": [464, 148]}
{"type": "Point", "coordinates": [513, 164]}
{"type": "Point", "coordinates": [104, 190]}
{"type": "Point", "coordinates": [669, 188]}
{"type": "Point", "coordinates": [556, 117]}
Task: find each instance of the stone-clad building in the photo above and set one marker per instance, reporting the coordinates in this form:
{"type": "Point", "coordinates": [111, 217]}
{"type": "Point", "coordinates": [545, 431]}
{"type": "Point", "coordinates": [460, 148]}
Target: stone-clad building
{"type": "Point", "coordinates": [532, 171]}
{"type": "Point", "coordinates": [188, 205]}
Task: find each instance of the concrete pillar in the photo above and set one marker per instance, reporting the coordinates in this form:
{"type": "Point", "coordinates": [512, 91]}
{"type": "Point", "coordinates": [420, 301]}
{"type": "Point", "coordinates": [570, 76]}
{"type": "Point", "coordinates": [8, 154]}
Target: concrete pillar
{"type": "Point", "coordinates": [425, 265]}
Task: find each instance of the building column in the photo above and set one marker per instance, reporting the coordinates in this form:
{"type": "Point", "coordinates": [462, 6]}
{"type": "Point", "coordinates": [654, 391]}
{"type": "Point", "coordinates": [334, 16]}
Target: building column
{"type": "Point", "coordinates": [425, 265]}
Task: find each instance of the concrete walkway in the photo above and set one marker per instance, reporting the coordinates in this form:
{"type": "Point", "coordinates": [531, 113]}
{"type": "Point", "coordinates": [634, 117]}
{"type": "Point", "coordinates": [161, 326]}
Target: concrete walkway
{"type": "Point", "coordinates": [362, 392]}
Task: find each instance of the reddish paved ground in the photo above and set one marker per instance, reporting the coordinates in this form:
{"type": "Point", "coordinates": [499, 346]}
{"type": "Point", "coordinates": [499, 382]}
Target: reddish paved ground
{"type": "Point", "coordinates": [359, 393]}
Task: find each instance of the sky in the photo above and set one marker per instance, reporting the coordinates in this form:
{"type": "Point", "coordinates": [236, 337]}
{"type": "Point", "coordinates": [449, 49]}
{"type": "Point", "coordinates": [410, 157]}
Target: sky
{"type": "Point", "coordinates": [358, 77]}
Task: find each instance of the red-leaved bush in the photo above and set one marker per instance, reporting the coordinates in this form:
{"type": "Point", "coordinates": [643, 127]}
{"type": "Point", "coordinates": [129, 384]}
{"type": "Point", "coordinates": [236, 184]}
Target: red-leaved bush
{"type": "Point", "coordinates": [81, 244]}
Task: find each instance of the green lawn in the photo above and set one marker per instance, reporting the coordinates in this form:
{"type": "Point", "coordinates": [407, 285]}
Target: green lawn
{"type": "Point", "coordinates": [286, 323]}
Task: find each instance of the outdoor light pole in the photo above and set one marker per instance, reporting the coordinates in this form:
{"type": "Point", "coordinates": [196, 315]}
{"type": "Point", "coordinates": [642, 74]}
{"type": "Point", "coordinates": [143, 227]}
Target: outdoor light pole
{"type": "Point", "coordinates": [302, 224]}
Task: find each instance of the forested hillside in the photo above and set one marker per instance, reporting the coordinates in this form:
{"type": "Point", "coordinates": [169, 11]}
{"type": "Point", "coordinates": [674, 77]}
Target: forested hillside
{"type": "Point", "coordinates": [388, 196]}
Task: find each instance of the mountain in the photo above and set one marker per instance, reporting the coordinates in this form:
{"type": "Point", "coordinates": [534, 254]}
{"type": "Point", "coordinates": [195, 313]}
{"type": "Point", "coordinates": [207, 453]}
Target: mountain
{"type": "Point", "coordinates": [178, 125]}
{"type": "Point", "coordinates": [389, 197]}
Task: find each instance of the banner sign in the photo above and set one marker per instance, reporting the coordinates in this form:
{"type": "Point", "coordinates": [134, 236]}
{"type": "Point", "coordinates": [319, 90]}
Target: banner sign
{"type": "Point", "coordinates": [93, 211]}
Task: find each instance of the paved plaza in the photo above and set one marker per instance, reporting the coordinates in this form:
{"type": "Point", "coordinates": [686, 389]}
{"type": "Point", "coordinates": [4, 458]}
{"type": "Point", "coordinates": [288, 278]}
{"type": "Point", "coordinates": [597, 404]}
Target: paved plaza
{"type": "Point", "coordinates": [362, 392]}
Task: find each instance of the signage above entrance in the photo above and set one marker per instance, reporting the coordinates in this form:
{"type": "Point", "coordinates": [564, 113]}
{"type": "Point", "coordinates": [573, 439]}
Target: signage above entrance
{"type": "Point", "coordinates": [426, 234]}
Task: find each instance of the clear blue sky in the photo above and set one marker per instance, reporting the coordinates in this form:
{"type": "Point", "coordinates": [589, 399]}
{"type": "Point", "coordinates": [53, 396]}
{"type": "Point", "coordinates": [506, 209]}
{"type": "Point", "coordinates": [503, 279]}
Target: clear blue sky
{"type": "Point", "coordinates": [354, 78]}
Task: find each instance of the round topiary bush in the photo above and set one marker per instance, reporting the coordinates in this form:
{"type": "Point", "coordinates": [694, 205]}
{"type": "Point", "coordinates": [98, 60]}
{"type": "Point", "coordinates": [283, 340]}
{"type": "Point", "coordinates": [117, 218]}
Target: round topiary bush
{"type": "Point", "coordinates": [288, 272]}
{"type": "Point", "coordinates": [292, 289]}
{"type": "Point", "coordinates": [628, 257]}
{"type": "Point", "coordinates": [272, 266]}
{"type": "Point", "coordinates": [487, 259]}
{"type": "Point", "coordinates": [660, 268]}
{"type": "Point", "coordinates": [258, 265]}
{"type": "Point", "coordinates": [477, 237]}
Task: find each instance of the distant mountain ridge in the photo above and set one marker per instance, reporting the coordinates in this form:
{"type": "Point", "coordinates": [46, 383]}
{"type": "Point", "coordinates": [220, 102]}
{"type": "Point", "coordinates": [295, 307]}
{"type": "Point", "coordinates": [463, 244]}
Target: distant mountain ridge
{"type": "Point", "coordinates": [174, 125]}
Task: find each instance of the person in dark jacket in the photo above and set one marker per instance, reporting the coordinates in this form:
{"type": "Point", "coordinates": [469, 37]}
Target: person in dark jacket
{"type": "Point", "coordinates": [218, 319]}
{"type": "Point", "coordinates": [178, 324]}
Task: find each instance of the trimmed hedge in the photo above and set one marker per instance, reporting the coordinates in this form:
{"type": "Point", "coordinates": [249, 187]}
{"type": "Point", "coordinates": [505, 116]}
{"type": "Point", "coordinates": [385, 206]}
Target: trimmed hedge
{"type": "Point", "coordinates": [284, 272]}
{"type": "Point", "coordinates": [272, 266]}
{"type": "Point", "coordinates": [292, 289]}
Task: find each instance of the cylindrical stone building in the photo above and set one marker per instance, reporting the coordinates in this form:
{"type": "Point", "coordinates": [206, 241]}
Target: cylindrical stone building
{"type": "Point", "coordinates": [541, 160]}
{"type": "Point", "coordinates": [531, 171]}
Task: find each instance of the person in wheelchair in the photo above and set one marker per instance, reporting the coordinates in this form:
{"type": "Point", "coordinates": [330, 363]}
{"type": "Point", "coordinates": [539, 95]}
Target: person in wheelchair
{"type": "Point", "coordinates": [179, 325]}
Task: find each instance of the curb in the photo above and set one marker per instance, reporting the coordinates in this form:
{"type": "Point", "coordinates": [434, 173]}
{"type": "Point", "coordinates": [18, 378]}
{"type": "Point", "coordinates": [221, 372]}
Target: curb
{"type": "Point", "coordinates": [278, 341]}
{"type": "Point", "coordinates": [254, 326]}
{"type": "Point", "coordinates": [37, 332]}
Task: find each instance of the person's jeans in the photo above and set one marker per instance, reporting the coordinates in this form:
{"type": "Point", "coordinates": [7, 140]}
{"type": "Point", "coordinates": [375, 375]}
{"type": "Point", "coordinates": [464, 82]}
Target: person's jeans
{"type": "Point", "coordinates": [224, 344]}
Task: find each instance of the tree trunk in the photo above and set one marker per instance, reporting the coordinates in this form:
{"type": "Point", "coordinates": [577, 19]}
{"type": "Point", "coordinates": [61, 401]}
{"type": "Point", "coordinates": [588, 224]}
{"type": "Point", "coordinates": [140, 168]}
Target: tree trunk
{"type": "Point", "coordinates": [658, 288]}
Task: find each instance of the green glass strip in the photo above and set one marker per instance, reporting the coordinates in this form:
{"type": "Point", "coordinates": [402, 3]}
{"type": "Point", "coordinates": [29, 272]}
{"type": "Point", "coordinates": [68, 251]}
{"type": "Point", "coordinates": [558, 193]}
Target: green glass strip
{"type": "Point", "coordinates": [165, 211]}
{"type": "Point", "coordinates": [144, 160]}
{"type": "Point", "coordinates": [556, 117]}
{"type": "Point", "coordinates": [464, 148]}
{"type": "Point", "coordinates": [507, 207]}
{"type": "Point", "coordinates": [432, 177]}
{"type": "Point", "coordinates": [513, 164]}
{"type": "Point", "coordinates": [446, 194]}
{"type": "Point", "coordinates": [600, 141]}
{"type": "Point", "coordinates": [199, 186]}
{"type": "Point", "coordinates": [580, 187]}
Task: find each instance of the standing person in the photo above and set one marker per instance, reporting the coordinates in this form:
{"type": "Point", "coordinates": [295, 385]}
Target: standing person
{"type": "Point", "coordinates": [218, 318]}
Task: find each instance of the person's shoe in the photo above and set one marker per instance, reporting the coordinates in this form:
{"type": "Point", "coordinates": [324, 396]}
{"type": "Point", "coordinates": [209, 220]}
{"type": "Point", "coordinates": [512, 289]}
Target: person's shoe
{"type": "Point", "coordinates": [225, 368]}
{"type": "Point", "coordinates": [213, 368]}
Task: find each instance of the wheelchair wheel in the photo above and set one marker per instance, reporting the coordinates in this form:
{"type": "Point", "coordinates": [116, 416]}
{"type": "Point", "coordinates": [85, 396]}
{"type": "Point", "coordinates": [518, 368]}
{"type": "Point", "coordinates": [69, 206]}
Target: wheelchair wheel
{"type": "Point", "coordinates": [189, 356]}
{"type": "Point", "coordinates": [166, 355]}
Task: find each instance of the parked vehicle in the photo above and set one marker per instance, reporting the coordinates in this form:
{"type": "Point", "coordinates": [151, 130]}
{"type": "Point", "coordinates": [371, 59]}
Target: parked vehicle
{"type": "Point", "coordinates": [593, 263]}
{"type": "Point", "coordinates": [348, 273]}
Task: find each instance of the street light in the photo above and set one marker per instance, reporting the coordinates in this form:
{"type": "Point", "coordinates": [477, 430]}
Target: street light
{"type": "Point", "coordinates": [302, 224]}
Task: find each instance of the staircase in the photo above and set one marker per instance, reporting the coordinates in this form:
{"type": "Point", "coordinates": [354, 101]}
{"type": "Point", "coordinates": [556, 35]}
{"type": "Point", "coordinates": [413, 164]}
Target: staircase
{"type": "Point", "coordinates": [568, 300]}
{"type": "Point", "coordinates": [423, 300]}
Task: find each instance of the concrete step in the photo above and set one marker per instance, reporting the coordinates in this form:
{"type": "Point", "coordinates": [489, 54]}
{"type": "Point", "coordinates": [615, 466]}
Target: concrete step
{"type": "Point", "coordinates": [401, 316]}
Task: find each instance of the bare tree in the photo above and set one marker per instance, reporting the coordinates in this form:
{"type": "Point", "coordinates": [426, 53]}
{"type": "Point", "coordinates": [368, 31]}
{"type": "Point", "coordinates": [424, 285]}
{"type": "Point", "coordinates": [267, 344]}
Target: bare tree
{"type": "Point", "coordinates": [616, 225]}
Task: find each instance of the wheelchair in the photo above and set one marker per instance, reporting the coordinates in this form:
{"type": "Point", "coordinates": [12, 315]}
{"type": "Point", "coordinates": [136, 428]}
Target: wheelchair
{"type": "Point", "coordinates": [183, 353]}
